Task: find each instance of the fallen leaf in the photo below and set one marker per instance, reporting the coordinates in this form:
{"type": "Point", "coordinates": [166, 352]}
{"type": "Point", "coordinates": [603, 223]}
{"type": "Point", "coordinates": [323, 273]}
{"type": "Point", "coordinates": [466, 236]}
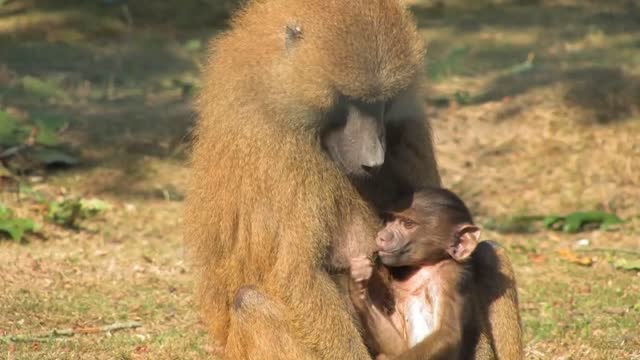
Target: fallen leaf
{"type": "Point", "coordinates": [572, 257]}
{"type": "Point", "coordinates": [11, 351]}
{"type": "Point", "coordinates": [141, 349]}
{"type": "Point", "coordinates": [537, 258]}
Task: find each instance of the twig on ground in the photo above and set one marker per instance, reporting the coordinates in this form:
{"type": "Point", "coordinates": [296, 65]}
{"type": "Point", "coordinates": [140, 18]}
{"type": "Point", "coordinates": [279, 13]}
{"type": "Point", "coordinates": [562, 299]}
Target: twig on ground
{"type": "Point", "coordinates": [56, 334]}
{"type": "Point", "coordinates": [601, 249]}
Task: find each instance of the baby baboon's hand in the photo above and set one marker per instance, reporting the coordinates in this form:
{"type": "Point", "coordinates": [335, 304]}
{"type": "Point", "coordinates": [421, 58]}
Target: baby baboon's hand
{"type": "Point", "coordinates": [361, 271]}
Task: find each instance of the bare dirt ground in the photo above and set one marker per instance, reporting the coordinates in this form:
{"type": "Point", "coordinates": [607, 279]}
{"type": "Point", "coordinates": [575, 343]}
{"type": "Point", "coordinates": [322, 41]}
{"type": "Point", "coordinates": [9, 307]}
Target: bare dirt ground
{"type": "Point", "coordinates": [535, 108]}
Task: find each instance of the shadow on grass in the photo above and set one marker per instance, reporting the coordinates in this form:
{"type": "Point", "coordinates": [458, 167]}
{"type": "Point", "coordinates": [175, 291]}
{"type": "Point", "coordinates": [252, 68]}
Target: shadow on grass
{"type": "Point", "coordinates": [100, 17]}
{"type": "Point", "coordinates": [614, 17]}
{"type": "Point", "coordinates": [112, 92]}
{"type": "Point", "coordinates": [588, 48]}
{"type": "Point", "coordinates": [125, 88]}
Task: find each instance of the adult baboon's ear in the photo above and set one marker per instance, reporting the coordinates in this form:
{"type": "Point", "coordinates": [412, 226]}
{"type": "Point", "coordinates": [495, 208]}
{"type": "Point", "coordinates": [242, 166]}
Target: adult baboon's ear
{"type": "Point", "coordinates": [293, 34]}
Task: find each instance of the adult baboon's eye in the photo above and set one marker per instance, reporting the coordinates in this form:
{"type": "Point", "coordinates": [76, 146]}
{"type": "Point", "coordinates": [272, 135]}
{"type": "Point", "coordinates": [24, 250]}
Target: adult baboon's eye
{"type": "Point", "coordinates": [337, 115]}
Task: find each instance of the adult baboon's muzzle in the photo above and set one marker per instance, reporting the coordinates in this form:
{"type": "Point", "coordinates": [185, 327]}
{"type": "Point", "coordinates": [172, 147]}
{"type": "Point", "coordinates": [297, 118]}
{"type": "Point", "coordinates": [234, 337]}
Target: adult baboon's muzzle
{"type": "Point", "coordinates": [365, 131]}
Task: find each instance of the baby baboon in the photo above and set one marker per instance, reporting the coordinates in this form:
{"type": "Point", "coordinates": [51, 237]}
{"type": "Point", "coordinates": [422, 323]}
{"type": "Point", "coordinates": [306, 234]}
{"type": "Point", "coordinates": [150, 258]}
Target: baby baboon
{"type": "Point", "coordinates": [433, 309]}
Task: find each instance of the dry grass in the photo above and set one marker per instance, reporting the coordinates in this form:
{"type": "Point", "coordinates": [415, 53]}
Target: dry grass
{"type": "Point", "coordinates": [560, 136]}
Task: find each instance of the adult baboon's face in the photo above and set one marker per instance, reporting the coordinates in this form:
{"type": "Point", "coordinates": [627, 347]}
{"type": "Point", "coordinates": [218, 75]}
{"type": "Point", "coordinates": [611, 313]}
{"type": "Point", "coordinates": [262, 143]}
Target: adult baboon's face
{"type": "Point", "coordinates": [355, 136]}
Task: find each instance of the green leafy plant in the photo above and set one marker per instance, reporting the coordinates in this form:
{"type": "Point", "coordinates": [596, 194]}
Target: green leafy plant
{"type": "Point", "coordinates": [33, 142]}
{"type": "Point", "coordinates": [629, 265]}
{"type": "Point", "coordinates": [12, 132]}
{"type": "Point", "coordinates": [15, 227]}
{"type": "Point", "coordinates": [462, 97]}
{"type": "Point", "coordinates": [69, 211]}
{"type": "Point", "coordinates": [48, 128]}
{"type": "Point", "coordinates": [44, 89]}
{"type": "Point", "coordinates": [576, 221]}
{"type": "Point", "coordinates": [571, 223]}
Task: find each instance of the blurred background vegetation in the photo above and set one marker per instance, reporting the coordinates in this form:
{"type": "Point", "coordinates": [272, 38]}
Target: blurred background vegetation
{"type": "Point", "coordinates": [535, 106]}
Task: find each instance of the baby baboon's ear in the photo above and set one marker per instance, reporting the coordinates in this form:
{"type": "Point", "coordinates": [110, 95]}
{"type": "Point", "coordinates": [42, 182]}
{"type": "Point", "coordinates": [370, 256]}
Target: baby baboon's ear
{"type": "Point", "coordinates": [464, 242]}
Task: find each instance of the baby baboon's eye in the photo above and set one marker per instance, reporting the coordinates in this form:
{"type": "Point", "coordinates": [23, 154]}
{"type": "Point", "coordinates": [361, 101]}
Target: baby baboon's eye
{"type": "Point", "coordinates": [408, 224]}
